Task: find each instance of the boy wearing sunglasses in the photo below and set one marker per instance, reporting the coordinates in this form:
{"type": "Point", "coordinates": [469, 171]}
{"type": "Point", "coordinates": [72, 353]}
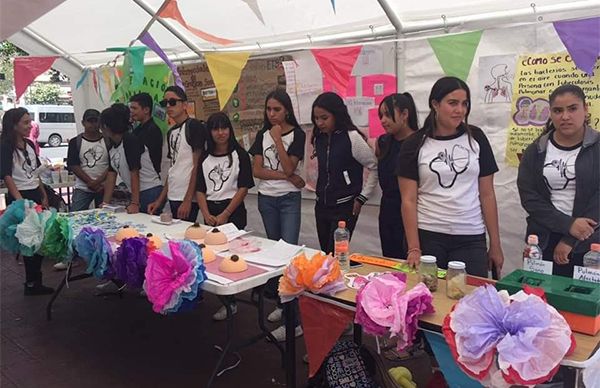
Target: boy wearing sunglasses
{"type": "Point", "coordinates": [87, 158]}
{"type": "Point", "coordinates": [186, 143]}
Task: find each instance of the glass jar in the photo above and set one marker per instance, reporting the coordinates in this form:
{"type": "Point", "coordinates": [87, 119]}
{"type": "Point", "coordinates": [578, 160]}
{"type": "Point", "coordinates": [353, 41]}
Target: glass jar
{"type": "Point", "coordinates": [456, 280]}
{"type": "Point", "coordinates": [428, 272]}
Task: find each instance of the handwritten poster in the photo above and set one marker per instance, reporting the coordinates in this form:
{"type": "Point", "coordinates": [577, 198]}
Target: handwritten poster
{"type": "Point", "coordinates": [538, 266]}
{"type": "Point", "coordinates": [587, 274]}
{"type": "Point", "coordinates": [369, 61]}
{"type": "Point", "coordinates": [496, 75]}
{"type": "Point", "coordinates": [358, 108]}
{"type": "Point", "coordinates": [378, 86]}
{"type": "Point", "coordinates": [536, 76]}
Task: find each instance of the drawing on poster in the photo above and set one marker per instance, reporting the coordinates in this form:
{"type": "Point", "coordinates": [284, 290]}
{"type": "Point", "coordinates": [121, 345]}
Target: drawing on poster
{"type": "Point", "coordinates": [496, 74]}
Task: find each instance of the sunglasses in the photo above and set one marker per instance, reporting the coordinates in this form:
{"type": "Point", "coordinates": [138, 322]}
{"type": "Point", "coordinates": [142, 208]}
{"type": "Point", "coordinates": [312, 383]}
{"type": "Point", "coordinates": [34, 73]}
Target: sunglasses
{"type": "Point", "coordinates": [170, 102]}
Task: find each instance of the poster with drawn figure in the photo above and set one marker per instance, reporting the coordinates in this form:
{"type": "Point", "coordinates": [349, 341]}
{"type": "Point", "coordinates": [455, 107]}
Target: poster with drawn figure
{"type": "Point", "coordinates": [358, 108]}
{"type": "Point", "coordinates": [496, 77]}
{"type": "Point", "coordinates": [536, 76]}
{"type": "Point", "coordinates": [369, 61]}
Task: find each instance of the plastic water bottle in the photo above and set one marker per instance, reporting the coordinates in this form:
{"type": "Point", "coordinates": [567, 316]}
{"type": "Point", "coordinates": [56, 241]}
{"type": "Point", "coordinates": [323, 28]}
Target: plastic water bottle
{"type": "Point", "coordinates": [341, 238]}
{"type": "Point", "coordinates": [532, 250]}
{"type": "Point", "coordinates": [592, 258]}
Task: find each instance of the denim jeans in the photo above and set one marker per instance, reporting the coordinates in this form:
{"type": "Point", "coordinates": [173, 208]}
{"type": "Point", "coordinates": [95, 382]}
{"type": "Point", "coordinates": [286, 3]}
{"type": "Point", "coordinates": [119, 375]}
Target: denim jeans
{"type": "Point", "coordinates": [281, 216]}
{"type": "Point", "coordinates": [82, 199]}
{"type": "Point", "coordinates": [148, 196]}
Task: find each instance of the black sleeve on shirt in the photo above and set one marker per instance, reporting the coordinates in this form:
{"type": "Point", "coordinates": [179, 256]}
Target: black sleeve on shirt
{"type": "Point", "coordinates": [257, 146]}
{"type": "Point", "coordinates": [73, 153]}
{"type": "Point", "coordinates": [408, 157]}
{"type": "Point", "coordinates": [200, 182]}
{"type": "Point", "coordinates": [153, 139]}
{"type": "Point", "coordinates": [37, 157]}
{"type": "Point", "coordinates": [134, 149]}
{"type": "Point", "coordinates": [296, 148]}
{"type": "Point", "coordinates": [196, 134]}
{"type": "Point", "coordinates": [487, 162]}
{"type": "Point", "coordinates": [245, 178]}
{"type": "Point", "coordinates": [6, 160]}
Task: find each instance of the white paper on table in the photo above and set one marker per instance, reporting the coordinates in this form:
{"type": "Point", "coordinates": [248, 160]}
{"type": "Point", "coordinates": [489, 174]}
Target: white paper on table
{"type": "Point", "coordinates": [231, 231]}
{"type": "Point", "coordinates": [277, 255]}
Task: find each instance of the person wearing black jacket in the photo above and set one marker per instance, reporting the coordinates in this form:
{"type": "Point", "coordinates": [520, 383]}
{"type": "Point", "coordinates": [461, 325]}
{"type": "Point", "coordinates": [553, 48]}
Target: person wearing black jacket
{"type": "Point", "coordinates": [20, 169]}
{"type": "Point", "coordinates": [342, 154]}
{"type": "Point", "coordinates": [559, 182]}
{"type": "Point", "coordinates": [147, 131]}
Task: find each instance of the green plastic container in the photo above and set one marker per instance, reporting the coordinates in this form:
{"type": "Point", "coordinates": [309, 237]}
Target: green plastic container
{"type": "Point", "coordinates": [565, 294]}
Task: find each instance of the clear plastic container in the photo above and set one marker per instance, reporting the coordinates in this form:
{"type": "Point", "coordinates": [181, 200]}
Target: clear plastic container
{"type": "Point", "coordinates": [592, 258]}
{"type": "Point", "coordinates": [341, 238]}
{"type": "Point", "coordinates": [456, 280]}
{"type": "Point", "coordinates": [428, 272]}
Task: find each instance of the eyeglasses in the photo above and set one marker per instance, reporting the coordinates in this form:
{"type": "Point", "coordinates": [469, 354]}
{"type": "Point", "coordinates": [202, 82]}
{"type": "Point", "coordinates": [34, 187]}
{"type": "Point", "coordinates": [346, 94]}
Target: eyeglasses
{"type": "Point", "coordinates": [92, 119]}
{"type": "Point", "coordinates": [170, 102]}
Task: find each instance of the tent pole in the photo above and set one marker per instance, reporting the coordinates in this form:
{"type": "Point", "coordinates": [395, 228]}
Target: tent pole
{"type": "Point", "coordinates": [191, 45]}
{"type": "Point", "coordinates": [151, 21]}
{"type": "Point", "coordinates": [392, 15]}
{"type": "Point", "coordinates": [52, 47]}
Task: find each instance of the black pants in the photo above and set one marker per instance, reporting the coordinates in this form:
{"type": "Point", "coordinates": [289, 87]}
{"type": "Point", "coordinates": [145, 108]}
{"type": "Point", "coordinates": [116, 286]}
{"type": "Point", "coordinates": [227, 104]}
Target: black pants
{"type": "Point", "coordinates": [239, 216]}
{"type": "Point", "coordinates": [33, 264]}
{"type": "Point", "coordinates": [192, 217]}
{"type": "Point", "coordinates": [561, 269]}
{"type": "Point", "coordinates": [327, 218]}
{"type": "Point", "coordinates": [391, 229]}
{"type": "Point", "coordinates": [470, 249]}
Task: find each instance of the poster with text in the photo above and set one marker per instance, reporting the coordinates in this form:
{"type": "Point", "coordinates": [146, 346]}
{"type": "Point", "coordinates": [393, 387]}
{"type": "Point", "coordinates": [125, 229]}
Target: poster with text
{"type": "Point", "coordinates": [536, 76]}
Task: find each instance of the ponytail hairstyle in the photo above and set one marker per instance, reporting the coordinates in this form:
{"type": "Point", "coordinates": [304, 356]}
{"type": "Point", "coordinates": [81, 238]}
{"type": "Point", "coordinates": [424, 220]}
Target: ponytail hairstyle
{"type": "Point", "coordinates": [401, 101]}
{"type": "Point", "coordinates": [281, 96]}
{"type": "Point", "coordinates": [440, 89]}
{"type": "Point", "coordinates": [333, 104]}
{"type": "Point", "coordinates": [220, 120]}
{"type": "Point", "coordinates": [564, 89]}
{"type": "Point", "coordinates": [116, 118]}
{"type": "Point", "coordinates": [10, 119]}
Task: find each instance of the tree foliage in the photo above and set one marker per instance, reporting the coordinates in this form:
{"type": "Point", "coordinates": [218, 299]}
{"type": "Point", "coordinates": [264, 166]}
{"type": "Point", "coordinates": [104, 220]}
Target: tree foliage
{"type": "Point", "coordinates": [7, 52]}
{"type": "Point", "coordinates": [42, 93]}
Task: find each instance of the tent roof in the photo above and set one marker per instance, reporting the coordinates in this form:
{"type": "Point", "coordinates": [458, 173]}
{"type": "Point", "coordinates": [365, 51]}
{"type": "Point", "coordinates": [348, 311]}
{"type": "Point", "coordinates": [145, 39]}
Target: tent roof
{"type": "Point", "coordinates": [81, 30]}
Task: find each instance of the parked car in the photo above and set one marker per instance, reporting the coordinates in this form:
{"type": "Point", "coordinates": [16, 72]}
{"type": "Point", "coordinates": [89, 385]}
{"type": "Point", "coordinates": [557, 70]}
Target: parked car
{"type": "Point", "coordinates": [57, 123]}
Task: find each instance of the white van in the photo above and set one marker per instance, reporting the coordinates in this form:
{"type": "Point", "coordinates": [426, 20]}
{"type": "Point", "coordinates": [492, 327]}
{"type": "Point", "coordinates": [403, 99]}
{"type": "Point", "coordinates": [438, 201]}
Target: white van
{"type": "Point", "coordinates": [57, 123]}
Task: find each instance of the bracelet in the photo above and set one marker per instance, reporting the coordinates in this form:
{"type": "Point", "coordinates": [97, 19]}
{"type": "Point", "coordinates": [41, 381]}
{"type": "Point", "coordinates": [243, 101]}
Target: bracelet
{"type": "Point", "coordinates": [411, 250]}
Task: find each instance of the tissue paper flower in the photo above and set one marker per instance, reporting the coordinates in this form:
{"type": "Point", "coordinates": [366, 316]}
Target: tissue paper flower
{"type": "Point", "coordinates": [92, 245]}
{"type": "Point", "coordinates": [528, 336]}
{"type": "Point", "coordinates": [12, 216]}
{"type": "Point", "coordinates": [30, 232]}
{"type": "Point", "coordinates": [171, 281]}
{"type": "Point", "coordinates": [320, 275]}
{"type": "Point", "coordinates": [130, 261]}
{"type": "Point", "coordinates": [58, 239]}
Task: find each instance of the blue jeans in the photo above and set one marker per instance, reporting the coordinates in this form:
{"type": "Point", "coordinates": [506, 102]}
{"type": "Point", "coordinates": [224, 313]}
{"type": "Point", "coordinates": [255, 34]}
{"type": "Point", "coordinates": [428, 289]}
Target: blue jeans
{"type": "Point", "coordinates": [281, 216]}
{"type": "Point", "coordinates": [148, 196]}
{"type": "Point", "coordinates": [82, 199]}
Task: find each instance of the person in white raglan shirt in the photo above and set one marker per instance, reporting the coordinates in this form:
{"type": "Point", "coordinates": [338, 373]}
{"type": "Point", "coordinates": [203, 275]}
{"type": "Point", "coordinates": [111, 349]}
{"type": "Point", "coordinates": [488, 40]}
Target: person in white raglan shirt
{"type": "Point", "coordinates": [87, 158]}
{"type": "Point", "coordinates": [130, 159]}
{"type": "Point", "coordinates": [20, 169]}
{"type": "Point", "coordinates": [186, 142]}
{"type": "Point", "coordinates": [446, 177]}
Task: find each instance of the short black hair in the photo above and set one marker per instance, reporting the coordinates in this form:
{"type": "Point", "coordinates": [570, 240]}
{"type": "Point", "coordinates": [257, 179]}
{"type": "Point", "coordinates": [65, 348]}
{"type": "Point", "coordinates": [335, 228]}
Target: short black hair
{"type": "Point", "coordinates": [116, 118]}
{"type": "Point", "coordinates": [143, 99]}
{"type": "Point", "coordinates": [177, 90]}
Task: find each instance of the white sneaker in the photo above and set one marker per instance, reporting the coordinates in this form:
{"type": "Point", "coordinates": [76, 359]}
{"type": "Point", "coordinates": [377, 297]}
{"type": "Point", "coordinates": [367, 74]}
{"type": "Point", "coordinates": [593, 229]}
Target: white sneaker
{"type": "Point", "coordinates": [109, 286]}
{"type": "Point", "coordinates": [275, 315]}
{"type": "Point", "coordinates": [279, 333]}
{"type": "Point", "coordinates": [221, 315]}
{"type": "Point", "coordinates": [62, 266]}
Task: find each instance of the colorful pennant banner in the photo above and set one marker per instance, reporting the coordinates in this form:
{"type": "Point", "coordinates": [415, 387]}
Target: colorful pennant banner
{"type": "Point", "coordinates": [582, 40]}
{"type": "Point", "coordinates": [456, 52]}
{"type": "Point", "coordinates": [336, 65]}
{"type": "Point", "coordinates": [26, 70]}
{"type": "Point", "coordinates": [225, 69]}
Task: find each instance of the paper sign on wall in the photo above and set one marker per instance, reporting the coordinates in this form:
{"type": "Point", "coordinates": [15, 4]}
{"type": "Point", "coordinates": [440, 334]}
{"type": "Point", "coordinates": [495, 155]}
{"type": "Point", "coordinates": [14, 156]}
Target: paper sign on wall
{"type": "Point", "coordinates": [375, 127]}
{"type": "Point", "coordinates": [538, 266]}
{"type": "Point", "coordinates": [378, 86]}
{"type": "Point", "coordinates": [586, 273]}
{"type": "Point", "coordinates": [369, 61]}
{"type": "Point", "coordinates": [358, 108]}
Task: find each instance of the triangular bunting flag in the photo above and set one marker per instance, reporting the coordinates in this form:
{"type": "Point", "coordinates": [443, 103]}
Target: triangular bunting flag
{"type": "Point", "coordinates": [171, 11]}
{"type": "Point", "coordinates": [253, 4]}
{"type": "Point", "coordinates": [149, 41]}
{"type": "Point", "coordinates": [336, 65]}
{"type": "Point", "coordinates": [582, 40]}
{"type": "Point", "coordinates": [134, 62]}
{"type": "Point", "coordinates": [225, 69]}
{"type": "Point", "coordinates": [455, 52]}
{"type": "Point", "coordinates": [86, 72]}
{"type": "Point", "coordinates": [26, 70]}
{"type": "Point", "coordinates": [323, 324]}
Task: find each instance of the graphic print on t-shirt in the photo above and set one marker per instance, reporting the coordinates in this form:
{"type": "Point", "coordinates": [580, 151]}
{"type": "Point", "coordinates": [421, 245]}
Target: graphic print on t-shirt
{"type": "Point", "coordinates": [448, 166]}
{"type": "Point", "coordinates": [174, 140]}
{"type": "Point", "coordinates": [272, 157]}
{"type": "Point", "coordinates": [566, 172]}
{"type": "Point", "coordinates": [115, 160]}
{"type": "Point", "coordinates": [28, 168]}
{"type": "Point", "coordinates": [219, 174]}
{"type": "Point", "coordinates": [93, 155]}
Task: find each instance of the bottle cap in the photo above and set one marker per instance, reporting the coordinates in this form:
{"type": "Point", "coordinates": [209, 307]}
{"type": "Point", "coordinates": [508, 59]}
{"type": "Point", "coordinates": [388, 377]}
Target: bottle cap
{"type": "Point", "coordinates": [595, 247]}
{"type": "Point", "coordinates": [427, 259]}
{"type": "Point", "coordinates": [456, 265]}
{"type": "Point", "coordinates": [532, 239]}
{"type": "Point", "coordinates": [341, 224]}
